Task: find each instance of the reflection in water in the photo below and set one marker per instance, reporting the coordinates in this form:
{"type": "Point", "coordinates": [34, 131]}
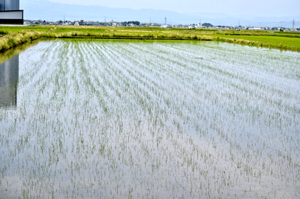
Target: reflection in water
{"type": "Point", "coordinates": [9, 75]}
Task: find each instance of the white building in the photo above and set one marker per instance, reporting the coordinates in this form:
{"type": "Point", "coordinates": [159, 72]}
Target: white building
{"type": "Point", "coordinates": [199, 25]}
{"type": "Point", "coordinates": [166, 26]}
{"type": "Point", "coordinates": [256, 28]}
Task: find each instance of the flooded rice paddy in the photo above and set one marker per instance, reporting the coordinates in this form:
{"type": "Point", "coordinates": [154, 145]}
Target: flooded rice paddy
{"type": "Point", "coordinates": [125, 119]}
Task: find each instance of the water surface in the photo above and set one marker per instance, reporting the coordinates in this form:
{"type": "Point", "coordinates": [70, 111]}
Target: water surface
{"type": "Point", "coordinates": [134, 119]}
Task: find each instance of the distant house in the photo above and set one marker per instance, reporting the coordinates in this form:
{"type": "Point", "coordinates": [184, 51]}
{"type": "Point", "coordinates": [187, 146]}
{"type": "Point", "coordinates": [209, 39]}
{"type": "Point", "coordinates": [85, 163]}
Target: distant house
{"type": "Point", "coordinates": [27, 22]}
{"type": "Point", "coordinates": [145, 24]}
{"type": "Point", "coordinates": [81, 22]}
{"type": "Point", "coordinates": [132, 23]}
{"type": "Point", "coordinates": [256, 28]}
{"type": "Point", "coordinates": [67, 23]}
{"type": "Point", "coordinates": [103, 24]}
{"type": "Point", "coordinates": [166, 26]}
{"type": "Point", "coordinates": [199, 25]}
{"type": "Point", "coordinates": [155, 25]}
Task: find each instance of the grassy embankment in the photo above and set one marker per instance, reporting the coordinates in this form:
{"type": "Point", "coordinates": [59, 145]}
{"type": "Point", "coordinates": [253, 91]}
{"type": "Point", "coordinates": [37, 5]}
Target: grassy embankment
{"type": "Point", "coordinates": [14, 39]}
{"type": "Point", "coordinates": [280, 40]}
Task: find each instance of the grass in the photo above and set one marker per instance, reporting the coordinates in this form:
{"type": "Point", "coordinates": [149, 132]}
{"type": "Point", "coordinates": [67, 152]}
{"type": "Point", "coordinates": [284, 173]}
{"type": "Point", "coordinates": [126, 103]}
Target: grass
{"type": "Point", "coordinates": [276, 41]}
{"type": "Point", "coordinates": [13, 39]}
{"type": "Point", "coordinates": [280, 40]}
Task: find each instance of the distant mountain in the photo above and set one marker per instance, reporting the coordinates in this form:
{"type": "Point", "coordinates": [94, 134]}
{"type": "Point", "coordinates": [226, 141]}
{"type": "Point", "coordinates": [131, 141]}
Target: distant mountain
{"type": "Point", "coordinates": [46, 10]}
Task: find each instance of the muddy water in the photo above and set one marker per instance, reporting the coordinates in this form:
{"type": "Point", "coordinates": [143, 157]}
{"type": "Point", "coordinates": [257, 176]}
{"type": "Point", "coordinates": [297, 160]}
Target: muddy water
{"type": "Point", "coordinates": [125, 119]}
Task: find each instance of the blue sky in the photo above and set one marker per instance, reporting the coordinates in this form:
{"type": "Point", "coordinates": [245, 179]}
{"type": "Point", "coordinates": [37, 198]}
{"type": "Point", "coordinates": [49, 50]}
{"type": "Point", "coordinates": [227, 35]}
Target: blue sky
{"type": "Point", "coordinates": [264, 8]}
{"type": "Point", "coordinates": [218, 12]}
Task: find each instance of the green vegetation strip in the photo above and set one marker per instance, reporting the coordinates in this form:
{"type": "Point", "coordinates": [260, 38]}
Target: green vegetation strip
{"type": "Point", "coordinates": [11, 40]}
{"type": "Point", "coordinates": [275, 41]}
{"type": "Point", "coordinates": [284, 41]}
{"type": "Point", "coordinates": [292, 44]}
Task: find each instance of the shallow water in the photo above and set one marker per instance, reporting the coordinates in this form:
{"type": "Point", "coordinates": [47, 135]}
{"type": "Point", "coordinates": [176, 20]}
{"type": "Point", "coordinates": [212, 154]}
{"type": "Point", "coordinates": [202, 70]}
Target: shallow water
{"type": "Point", "coordinates": [133, 119]}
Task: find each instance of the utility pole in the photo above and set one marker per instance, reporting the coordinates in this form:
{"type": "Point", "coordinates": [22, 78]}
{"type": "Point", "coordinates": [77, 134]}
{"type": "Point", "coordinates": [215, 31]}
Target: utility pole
{"type": "Point", "coordinates": [165, 20]}
{"type": "Point", "coordinates": [293, 23]}
{"type": "Point", "coordinates": [150, 20]}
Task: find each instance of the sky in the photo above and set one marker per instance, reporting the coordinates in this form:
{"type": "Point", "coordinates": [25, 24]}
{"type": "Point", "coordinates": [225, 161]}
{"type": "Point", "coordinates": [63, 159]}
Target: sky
{"type": "Point", "coordinates": [271, 13]}
{"type": "Point", "coordinates": [265, 8]}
